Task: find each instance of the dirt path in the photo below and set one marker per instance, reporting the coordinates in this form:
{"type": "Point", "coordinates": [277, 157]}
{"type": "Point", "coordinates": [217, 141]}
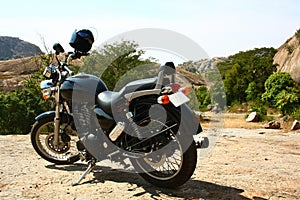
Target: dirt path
{"type": "Point", "coordinates": [245, 164]}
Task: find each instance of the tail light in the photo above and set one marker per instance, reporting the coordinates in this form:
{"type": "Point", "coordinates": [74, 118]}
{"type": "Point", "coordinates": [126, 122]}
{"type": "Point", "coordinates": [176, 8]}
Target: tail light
{"type": "Point", "coordinates": [164, 99]}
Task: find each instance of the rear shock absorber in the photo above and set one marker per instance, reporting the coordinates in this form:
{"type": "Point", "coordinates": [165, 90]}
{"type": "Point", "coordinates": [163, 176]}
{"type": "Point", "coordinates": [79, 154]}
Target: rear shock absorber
{"type": "Point", "coordinates": [135, 127]}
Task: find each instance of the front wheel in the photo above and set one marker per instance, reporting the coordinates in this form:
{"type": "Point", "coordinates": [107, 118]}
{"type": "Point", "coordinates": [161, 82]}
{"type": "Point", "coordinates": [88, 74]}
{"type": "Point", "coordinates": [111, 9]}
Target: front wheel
{"type": "Point", "coordinates": [42, 137]}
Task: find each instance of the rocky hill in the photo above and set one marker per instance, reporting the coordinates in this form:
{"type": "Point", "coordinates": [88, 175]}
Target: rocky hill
{"type": "Point", "coordinates": [202, 66]}
{"type": "Point", "coordinates": [14, 72]}
{"type": "Point", "coordinates": [12, 48]}
{"type": "Point", "coordinates": [288, 57]}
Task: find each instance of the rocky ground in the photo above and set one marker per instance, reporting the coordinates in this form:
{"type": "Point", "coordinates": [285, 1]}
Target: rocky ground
{"type": "Point", "coordinates": [243, 164]}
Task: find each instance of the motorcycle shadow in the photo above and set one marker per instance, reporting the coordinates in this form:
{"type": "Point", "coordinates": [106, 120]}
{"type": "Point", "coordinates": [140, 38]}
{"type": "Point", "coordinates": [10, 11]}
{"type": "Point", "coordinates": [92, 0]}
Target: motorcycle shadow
{"type": "Point", "coordinates": [193, 189]}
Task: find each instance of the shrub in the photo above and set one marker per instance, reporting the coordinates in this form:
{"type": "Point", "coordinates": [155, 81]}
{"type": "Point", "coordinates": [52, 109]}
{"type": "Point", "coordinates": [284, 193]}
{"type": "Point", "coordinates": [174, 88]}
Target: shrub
{"type": "Point", "coordinates": [261, 111]}
{"type": "Point", "coordinates": [298, 34]}
{"type": "Point", "coordinates": [290, 48]}
{"type": "Point", "coordinates": [203, 96]}
{"type": "Point", "coordinates": [282, 93]}
{"type": "Point", "coordinates": [18, 110]}
{"type": "Point", "coordinates": [20, 107]}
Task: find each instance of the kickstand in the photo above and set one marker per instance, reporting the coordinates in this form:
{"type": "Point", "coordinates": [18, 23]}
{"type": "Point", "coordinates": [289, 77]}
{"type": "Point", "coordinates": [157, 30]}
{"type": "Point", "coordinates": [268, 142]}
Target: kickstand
{"type": "Point", "coordinates": [92, 164]}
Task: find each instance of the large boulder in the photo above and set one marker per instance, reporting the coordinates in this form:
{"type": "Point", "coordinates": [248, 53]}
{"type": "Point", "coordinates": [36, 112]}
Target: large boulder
{"type": "Point", "coordinates": [272, 125]}
{"type": "Point", "coordinates": [252, 117]}
{"type": "Point", "coordinates": [296, 125]}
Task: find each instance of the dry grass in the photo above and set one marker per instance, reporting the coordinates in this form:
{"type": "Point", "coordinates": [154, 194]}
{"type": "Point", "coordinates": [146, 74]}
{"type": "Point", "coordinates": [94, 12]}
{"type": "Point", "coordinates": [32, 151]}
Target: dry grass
{"type": "Point", "coordinates": [239, 121]}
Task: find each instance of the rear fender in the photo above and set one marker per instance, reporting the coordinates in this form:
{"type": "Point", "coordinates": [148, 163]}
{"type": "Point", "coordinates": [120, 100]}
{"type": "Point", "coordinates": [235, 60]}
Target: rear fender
{"type": "Point", "coordinates": [189, 123]}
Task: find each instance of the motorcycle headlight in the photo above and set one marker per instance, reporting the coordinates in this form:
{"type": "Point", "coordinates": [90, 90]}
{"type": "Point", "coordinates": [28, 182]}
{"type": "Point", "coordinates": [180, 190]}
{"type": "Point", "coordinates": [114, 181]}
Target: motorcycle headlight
{"type": "Point", "coordinates": [47, 93]}
{"type": "Point", "coordinates": [46, 89]}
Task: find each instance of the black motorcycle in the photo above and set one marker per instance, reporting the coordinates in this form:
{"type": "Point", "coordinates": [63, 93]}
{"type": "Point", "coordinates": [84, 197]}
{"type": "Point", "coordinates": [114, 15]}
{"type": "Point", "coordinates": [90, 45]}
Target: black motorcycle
{"type": "Point", "coordinates": [147, 121]}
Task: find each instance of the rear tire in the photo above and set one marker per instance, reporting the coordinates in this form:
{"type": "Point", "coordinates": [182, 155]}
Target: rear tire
{"type": "Point", "coordinates": [41, 138]}
{"type": "Point", "coordinates": [181, 176]}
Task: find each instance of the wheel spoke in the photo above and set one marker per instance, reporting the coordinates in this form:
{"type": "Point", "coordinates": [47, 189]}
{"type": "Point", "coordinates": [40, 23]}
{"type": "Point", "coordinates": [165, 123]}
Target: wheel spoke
{"type": "Point", "coordinates": [44, 138]}
{"type": "Point", "coordinates": [164, 163]}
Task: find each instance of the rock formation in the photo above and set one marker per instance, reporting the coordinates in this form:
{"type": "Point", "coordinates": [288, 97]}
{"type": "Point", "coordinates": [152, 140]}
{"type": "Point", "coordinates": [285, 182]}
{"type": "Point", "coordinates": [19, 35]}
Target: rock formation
{"type": "Point", "coordinates": [288, 57]}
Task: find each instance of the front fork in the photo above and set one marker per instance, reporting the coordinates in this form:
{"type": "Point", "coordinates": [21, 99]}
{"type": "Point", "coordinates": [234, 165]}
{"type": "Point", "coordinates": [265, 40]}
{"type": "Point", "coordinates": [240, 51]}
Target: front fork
{"type": "Point", "coordinates": [57, 117]}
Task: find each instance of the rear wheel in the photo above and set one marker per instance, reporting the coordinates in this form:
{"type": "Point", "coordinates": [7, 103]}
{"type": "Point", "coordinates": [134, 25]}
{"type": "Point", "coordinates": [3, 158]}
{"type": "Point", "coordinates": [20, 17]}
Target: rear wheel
{"type": "Point", "coordinates": [168, 170]}
{"type": "Point", "coordinates": [42, 139]}
{"type": "Point", "coordinates": [170, 161]}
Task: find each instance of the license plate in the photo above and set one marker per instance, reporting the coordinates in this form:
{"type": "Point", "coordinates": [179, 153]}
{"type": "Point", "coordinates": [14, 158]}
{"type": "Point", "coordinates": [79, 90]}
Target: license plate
{"type": "Point", "coordinates": [178, 99]}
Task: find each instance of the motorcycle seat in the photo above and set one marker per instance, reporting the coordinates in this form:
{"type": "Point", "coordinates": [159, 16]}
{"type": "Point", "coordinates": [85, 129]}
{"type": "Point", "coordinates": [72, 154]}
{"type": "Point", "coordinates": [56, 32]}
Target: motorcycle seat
{"type": "Point", "coordinates": [105, 99]}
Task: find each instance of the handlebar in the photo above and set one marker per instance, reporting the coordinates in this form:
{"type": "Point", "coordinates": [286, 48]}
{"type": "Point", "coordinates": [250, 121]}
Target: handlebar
{"type": "Point", "coordinates": [70, 72]}
{"type": "Point", "coordinates": [62, 68]}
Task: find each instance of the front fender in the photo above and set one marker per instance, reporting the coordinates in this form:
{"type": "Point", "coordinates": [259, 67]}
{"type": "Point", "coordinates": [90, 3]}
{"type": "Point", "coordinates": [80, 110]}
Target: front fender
{"type": "Point", "coordinates": [45, 115]}
{"type": "Point", "coordinates": [64, 117]}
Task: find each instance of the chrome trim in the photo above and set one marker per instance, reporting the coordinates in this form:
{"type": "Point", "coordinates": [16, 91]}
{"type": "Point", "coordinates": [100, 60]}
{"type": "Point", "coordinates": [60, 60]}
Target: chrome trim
{"type": "Point", "coordinates": [160, 78]}
{"type": "Point", "coordinates": [136, 94]}
{"type": "Point", "coordinates": [156, 90]}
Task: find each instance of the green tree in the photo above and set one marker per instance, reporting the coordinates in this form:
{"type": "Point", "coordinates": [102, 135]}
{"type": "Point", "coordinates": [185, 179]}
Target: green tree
{"type": "Point", "coordinates": [252, 92]}
{"type": "Point", "coordinates": [246, 72]}
{"type": "Point", "coordinates": [234, 84]}
{"type": "Point", "coordinates": [282, 93]}
{"type": "Point", "coordinates": [203, 96]}
{"type": "Point", "coordinates": [112, 61]}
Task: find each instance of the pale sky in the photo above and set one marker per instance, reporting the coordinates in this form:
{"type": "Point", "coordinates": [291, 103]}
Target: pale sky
{"type": "Point", "coordinates": [221, 28]}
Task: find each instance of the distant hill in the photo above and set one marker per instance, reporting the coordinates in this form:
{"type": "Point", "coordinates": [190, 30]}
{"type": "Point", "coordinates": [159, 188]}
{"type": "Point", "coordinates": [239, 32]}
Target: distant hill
{"type": "Point", "coordinates": [12, 48]}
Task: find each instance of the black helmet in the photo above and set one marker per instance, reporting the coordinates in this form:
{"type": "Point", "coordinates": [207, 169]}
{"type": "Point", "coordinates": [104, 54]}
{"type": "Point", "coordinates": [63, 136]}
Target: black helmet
{"type": "Point", "coordinates": [82, 40]}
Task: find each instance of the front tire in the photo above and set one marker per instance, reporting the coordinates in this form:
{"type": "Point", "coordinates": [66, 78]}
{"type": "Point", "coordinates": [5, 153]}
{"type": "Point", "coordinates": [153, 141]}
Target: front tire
{"type": "Point", "coordinates": [42, 135]}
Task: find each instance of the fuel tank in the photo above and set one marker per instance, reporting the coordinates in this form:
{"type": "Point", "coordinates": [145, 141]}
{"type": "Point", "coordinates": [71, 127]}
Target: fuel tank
{"type": "Point", "coordinates": [88, 86]}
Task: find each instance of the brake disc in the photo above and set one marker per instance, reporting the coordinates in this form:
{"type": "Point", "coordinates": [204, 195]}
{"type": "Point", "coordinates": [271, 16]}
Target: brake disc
{"type": "Point", "coordinates": [61, 148]}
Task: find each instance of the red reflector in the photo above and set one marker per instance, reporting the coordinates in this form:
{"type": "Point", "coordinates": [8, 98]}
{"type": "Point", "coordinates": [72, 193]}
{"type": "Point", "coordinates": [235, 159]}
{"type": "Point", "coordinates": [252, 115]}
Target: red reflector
{"type": "Point", "coordinates": [164, 99]}
{"type": "Point", "coordinates": [185, 90]}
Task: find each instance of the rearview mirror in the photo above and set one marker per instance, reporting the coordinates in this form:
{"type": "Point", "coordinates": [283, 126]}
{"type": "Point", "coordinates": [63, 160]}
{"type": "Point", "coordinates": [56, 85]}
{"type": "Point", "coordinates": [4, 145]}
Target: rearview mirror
{"type": "Point", "coordinates": [58, 48]}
